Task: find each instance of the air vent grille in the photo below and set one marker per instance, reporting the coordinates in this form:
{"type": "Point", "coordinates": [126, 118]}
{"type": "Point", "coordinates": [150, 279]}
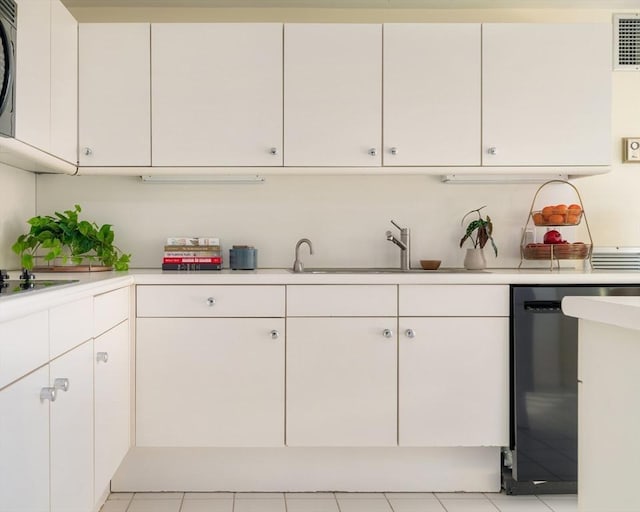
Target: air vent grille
{"type": "Point", "coordinates": [8, 9]}
{"type": "Point", "coordinates": [627, 42]}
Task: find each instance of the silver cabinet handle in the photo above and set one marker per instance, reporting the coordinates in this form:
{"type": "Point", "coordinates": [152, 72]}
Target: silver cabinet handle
{"type": "Point", "coordinates": [410, 333]}
{"type": "Point", "coordinates": [211, 301]}
{"type": "Point", "coordinates": [48, 394]}
{"type": "Point", "coordinates": [373, 151]}
{"type": "Point", "coordinates": [62, 384]}
{"type": "Point", "coordinates": [275, 334]}
{"type": "Point", "coordinates": [102, 357]}
{"type": "Point", "coordinates": [87, 151]}
{"type": "Point", "coordinates": [492, 150]}
{"type": "Point", "coordinates": [273, 151]}
{"type": "Point", "coordinates": [394, 151]}
{"type": "Point", "coordinates": [387, 333]}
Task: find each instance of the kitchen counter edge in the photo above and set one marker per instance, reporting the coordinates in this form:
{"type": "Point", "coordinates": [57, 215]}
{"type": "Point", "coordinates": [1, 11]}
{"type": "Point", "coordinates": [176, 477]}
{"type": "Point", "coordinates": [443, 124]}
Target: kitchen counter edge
{"type": "Point", "coordinates": [100, 282]}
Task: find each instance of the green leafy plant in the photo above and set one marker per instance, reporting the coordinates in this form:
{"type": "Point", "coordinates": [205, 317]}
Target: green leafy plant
{"type": "Point", "coordinates": [67, 237]}
{"type": "Point", "coordinates": [479, 231]}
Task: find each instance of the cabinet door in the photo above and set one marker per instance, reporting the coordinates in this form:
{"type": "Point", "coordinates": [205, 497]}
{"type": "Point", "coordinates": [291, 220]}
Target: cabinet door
{"type": "Point", "coordinates": [546, 94]}
{"type": "Point", "coordinates": [24, 445]}
{"type": "Point", "coordinates": [432, 97]}
{"type": "Point", "coordinates": [217, 94]}
{"type": "Point", "coordinates": [114, 94]}
{"type": "Point", "coordinates": [112, 402]}
{"type": "Point", "coordinates": [341, 382]}
{"type": "Point", "coordinates": [453, 382]}
{"type": "Point", "coordinates": [333, 87]}
{"type": "Point", "coordinates": [210, 382]}
{"type": "Point", "coordinates": [72, 431]}
{"type": "Point", "coordinates": [33, 73]}
{"type": "Point", "coordinates": [64, 83]}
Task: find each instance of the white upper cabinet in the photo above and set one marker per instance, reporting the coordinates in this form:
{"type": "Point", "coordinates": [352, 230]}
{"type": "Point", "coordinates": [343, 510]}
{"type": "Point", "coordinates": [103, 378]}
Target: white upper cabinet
{"type": "Point", "coordinates": [333, 91]}
{"type": "Point", "coordinates": [546, 94]}
{"type": "Point", "coordinates": [431, 94]}
{"type": "Point", "coordinates": [64, 83]}
{"type": "Point", "coordinates": [46, 78]}
{"type": "Point", "coordinates": [114, 100]}
{"type": "Point", "coordinates": [33, 72]}
{"type": "Point", "coordinates": [217, 94]}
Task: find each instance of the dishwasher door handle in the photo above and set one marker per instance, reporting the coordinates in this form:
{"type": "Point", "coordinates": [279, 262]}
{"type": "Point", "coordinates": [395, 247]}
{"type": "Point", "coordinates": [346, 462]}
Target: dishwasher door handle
{"type": "Point", "coordinates": [543, 306]}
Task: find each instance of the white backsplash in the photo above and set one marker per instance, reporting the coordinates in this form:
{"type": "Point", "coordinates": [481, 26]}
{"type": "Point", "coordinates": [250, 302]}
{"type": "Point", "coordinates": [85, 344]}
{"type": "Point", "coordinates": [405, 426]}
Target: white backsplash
{"type": "Point", "coordinates": [346, 217]}
{"type": "Point", "coordinates": [17, 204]}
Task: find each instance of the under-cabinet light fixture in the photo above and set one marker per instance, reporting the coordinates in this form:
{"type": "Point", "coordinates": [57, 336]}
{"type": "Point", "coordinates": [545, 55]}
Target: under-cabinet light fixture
{"type": "Point", "coordinates": [468, 179]}
{"type": "Point", "coordinates": [222, 179]}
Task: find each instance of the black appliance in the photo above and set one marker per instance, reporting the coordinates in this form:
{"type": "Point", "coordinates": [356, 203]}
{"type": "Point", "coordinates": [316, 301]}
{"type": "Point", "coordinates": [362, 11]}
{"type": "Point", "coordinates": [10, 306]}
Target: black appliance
{"type": "Point", "coordinates": [8, 25]}
{"type": "Point", "coordinates": [543, 454]}
{"type": "Point", "coordinates": [27, 283]}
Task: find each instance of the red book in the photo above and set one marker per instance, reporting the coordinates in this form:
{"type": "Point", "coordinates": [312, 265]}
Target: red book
{"type": "Point", "coordinates": [216, 260]}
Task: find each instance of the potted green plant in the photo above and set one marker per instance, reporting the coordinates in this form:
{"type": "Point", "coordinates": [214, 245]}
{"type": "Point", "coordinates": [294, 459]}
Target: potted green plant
{"type": "Point", "coordinates": [65, 237]}
{"type": "Point", "coordinates": [479, 231]}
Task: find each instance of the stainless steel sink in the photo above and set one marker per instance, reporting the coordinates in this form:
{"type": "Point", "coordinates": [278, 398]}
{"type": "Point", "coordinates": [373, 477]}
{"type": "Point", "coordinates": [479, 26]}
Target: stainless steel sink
{"type": "Point", "coordinates": [376, 270]}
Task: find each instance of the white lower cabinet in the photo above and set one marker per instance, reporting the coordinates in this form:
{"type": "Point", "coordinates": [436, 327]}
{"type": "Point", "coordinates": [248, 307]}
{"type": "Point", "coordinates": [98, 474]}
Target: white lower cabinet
{"type": "Point", "coordinates": [210, 366]}
{"type": "Point", "coordinates": [46, 444]}
{"type": "Point", "coordinates": [341, 382]}
{"type": "Point", "coordinates": [24, 445]}
{"type": "Point", "coordinates": [210, 382]}
{"type": "Point", "coordinates": [453, 381]}
{"type": "Point", "coordinates": [453, 365]}
{"type": "Point", "coordinates": [112, 403]}
{"type": "Point", "coordinates": [341, 365]}
{"type": "Point", "coordinates": [71, 440]}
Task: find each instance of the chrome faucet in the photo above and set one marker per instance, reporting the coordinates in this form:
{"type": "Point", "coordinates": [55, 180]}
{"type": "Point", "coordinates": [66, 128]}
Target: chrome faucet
{"type": "Point", "coordinates": [404, 244]}
{"type": "Point", "coordinates": [297, 264]}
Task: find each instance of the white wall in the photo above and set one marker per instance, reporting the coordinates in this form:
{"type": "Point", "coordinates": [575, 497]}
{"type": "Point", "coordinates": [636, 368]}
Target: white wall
{"type": "Point", "coordinates": [17, 204]}
{"type": "Point", "coordinates": [346, 217]}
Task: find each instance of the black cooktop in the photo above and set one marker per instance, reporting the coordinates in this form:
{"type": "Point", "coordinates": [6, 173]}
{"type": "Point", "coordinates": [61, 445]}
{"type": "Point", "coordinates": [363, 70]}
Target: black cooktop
{"type": "Point", "coordinates": [26, 283]}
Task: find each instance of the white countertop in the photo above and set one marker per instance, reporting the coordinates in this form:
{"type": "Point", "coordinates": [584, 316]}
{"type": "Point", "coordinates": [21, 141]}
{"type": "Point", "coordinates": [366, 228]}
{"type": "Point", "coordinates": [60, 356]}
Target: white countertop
{"type": "Point", "coordinates": [618, 311]}
{"type": "Point", "coordinates": [99, 282]}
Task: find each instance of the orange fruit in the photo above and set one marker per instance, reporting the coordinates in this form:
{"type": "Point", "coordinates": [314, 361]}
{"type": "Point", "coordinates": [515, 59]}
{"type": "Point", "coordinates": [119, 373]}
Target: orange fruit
{"type": "Point", "coordinates": [538, 219]}
{"type": "Point", "coordinates": [547, 210]}
{"type": "Point", "coordinates": [575, 208]}
{"type": "Point", "coordinates": [572, 219]}
{"type": "Point", "coordinates": [560, 209]}
{"type": "Point", "coordinates": [556, 219]}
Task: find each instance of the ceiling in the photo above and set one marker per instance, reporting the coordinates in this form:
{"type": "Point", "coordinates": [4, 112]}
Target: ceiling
{"type": "Point", "coordinates": [367, 4]}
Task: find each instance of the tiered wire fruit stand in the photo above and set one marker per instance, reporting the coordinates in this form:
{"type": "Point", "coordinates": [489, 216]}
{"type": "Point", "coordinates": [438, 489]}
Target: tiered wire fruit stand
{"type": "Point", "coordinates": [556, 217]}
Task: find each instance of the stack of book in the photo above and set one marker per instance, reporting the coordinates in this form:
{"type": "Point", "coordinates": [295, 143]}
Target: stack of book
{"type": "Point", "coordinates": [192, 253]}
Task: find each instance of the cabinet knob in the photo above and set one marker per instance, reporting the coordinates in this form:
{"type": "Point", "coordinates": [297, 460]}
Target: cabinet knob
{"type": "Point", "coordinates": [211, 301]}
{"type": "Point", "coordinates": [87, 151]}
{"type": "Point", "coordinates": [410, 333]}
{"type": "Point", "coordinates": [373, 151]}
{"type": "Point", "coordinates": [62, 384]}
{"type": "Point", "coordinates": [492, 150]}
{"type": "Point", "coordinates": [102, 357]}
{"type": "Point", "coordinates": [275, 334]}
{"type": "Point", "coordinates": [48, 394]}
{"type": "Point", "coordinates": [273, 151]}
{"type": "Point", "coordinates": [387, 333]}
{"type": "Point", "coordinates": [394, 151]}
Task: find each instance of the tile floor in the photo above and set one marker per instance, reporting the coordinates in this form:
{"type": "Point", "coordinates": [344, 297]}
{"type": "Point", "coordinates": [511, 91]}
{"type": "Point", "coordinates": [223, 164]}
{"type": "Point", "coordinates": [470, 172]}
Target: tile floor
{"type": "Point", "coordinates": [335, 502]}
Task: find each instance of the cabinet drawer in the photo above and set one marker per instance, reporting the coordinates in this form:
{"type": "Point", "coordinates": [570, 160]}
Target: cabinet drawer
{"type": "Point", "coordinates": [210, 301]}
{"type": "Point", "coordinates": [110, 309]}
{"type": "Point", "coordinates": [69, 325]}
{"type": "Point", "coordinates": [342, 300]}
{"type": "Point", "coordinates": [453, 300]}
{"type": "Point", "coordinates": [24, 345]}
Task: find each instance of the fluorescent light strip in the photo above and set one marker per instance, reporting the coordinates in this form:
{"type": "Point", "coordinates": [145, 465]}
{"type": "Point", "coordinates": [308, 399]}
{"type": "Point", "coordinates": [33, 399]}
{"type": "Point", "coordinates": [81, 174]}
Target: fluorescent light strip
{"type": "Point", "coordinates": [501, 178]}
{"type": "Point", "coordinates": [221, 179]}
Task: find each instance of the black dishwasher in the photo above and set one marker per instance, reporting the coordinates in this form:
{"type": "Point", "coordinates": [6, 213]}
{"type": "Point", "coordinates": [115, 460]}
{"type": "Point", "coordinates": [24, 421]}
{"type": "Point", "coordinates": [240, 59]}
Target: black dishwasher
{"type": "Point", "coordinates": [543, 451]}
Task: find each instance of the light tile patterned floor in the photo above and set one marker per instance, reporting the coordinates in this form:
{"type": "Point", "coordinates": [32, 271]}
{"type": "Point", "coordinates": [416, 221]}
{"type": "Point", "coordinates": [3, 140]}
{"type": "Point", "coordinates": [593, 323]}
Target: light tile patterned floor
{"type": "Point", "coordinates": [336, 502]}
